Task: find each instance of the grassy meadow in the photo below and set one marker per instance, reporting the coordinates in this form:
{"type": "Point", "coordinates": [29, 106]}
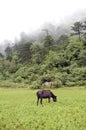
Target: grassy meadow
{"type": "Point", "coordinates": [18, 110]}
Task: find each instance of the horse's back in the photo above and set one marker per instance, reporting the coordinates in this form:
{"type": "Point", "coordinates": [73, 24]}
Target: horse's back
{"type": "Point", "coordinates": [44, 93]}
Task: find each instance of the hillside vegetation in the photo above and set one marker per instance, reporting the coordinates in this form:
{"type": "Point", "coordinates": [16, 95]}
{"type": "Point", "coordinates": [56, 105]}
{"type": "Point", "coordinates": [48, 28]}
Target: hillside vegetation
{"type": "Point", "coordinates": [48, 63]}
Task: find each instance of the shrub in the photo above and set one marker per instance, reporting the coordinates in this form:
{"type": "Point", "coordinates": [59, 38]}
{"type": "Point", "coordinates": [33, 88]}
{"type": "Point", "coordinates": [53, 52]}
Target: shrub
{"type": "Point", "coordinates": [70, 83]}
{"type": "Point", "coordinates": [35, 85]}
{"type": "Point", "coordinates": [8, 84]}
{"type": "Point", "coordinates": [57, 84]}
{"type": "Point", "coordinates": [19, 79]}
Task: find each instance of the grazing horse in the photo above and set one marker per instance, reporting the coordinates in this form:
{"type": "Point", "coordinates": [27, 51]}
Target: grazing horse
{"type": "Point", "coordinates": [45, 94]}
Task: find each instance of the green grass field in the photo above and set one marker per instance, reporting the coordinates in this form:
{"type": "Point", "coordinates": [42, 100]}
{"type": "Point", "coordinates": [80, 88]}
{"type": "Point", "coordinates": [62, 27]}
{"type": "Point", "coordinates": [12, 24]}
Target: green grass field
{"type": "Point", "coordinates": [18, 110]}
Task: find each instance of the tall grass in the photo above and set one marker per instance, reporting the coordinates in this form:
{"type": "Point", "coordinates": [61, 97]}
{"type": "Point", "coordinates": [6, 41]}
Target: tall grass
{"type": "Point", "coordinates": [18, 110]}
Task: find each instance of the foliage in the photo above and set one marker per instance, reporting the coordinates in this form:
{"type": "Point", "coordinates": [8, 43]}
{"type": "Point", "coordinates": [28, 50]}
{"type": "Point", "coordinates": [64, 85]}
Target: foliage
{"type": "Point", "coordinates": [63, 39]}
{"type": "Point", "coordinates": [77, 28]}
{"type": "Point", "coordinates": [82, 58]}
{"type": "Point", "coordinates": [24, 52]}
{"type": "Point", "coordinates": [49, 42]}
{"type": "Point", "coordinates": [55, 63]}
{"type": "Point", "coordinates": [8, 52]}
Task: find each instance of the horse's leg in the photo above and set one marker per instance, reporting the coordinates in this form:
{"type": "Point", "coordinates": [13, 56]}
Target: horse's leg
{"type": "Point", "coordinates": [37, 101]}
{"type": "Point", "coordinates": [48, 99]}
{"type": "Point", "coordinates": [41, 101]}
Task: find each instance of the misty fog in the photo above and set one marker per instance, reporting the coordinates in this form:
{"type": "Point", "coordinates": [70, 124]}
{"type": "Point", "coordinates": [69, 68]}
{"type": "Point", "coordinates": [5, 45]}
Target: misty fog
{"type": "Point", "coordinates": [54, 29]}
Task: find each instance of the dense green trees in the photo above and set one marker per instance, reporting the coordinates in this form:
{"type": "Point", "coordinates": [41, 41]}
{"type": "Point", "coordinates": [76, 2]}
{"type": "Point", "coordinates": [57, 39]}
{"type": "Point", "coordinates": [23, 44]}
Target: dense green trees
{"type": "Point", "coordinates": [24, 52]}
{"type": "Point", "coordinates": [8, 52]}
{"type": "Point", "coordinates": [63, 39]}
{"type": "Point", "coordinates": [50, 63]}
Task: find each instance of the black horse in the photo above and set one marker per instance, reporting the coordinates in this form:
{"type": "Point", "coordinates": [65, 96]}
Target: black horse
{"type": "Point", "coordinates": [45, 94]}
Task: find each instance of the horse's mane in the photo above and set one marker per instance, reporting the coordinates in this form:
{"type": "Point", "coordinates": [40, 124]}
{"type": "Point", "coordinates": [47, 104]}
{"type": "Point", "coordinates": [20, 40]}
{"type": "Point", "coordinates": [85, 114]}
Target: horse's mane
{"type": "Point", "coordinates": [53, 95]}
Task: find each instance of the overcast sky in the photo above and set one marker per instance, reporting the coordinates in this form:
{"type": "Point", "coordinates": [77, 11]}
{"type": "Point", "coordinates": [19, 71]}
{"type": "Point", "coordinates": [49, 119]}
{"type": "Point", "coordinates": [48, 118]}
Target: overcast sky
{"type": "Point", "coordinates": [28, 15]}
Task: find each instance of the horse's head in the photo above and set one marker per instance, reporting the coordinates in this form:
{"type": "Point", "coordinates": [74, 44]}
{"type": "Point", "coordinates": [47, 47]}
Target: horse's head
{"type": "Point", "coordinates": [55, 98]}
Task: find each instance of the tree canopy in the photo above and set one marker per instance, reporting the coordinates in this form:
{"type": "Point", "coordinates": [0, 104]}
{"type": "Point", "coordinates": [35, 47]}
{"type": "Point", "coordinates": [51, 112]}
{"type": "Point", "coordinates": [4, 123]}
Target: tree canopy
{"type": "Point", "coordinates": [49, 63]}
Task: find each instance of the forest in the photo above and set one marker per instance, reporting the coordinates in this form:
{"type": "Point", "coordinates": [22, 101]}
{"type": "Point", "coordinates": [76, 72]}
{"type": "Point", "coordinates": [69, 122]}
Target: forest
{"type": "Point", "coordinates": [49, 62]}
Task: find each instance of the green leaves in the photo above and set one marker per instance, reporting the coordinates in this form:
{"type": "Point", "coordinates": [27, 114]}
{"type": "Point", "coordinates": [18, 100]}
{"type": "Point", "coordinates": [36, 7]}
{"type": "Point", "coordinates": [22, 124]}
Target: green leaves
{"type": "Point", "coordinates": [64, 59]}
{"type": "Point", "coordinates": [79, 29]}
{"type": "Point", "coordinates": [24, 52]}
{"type": "Point", "coordinates": [49, 42]}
